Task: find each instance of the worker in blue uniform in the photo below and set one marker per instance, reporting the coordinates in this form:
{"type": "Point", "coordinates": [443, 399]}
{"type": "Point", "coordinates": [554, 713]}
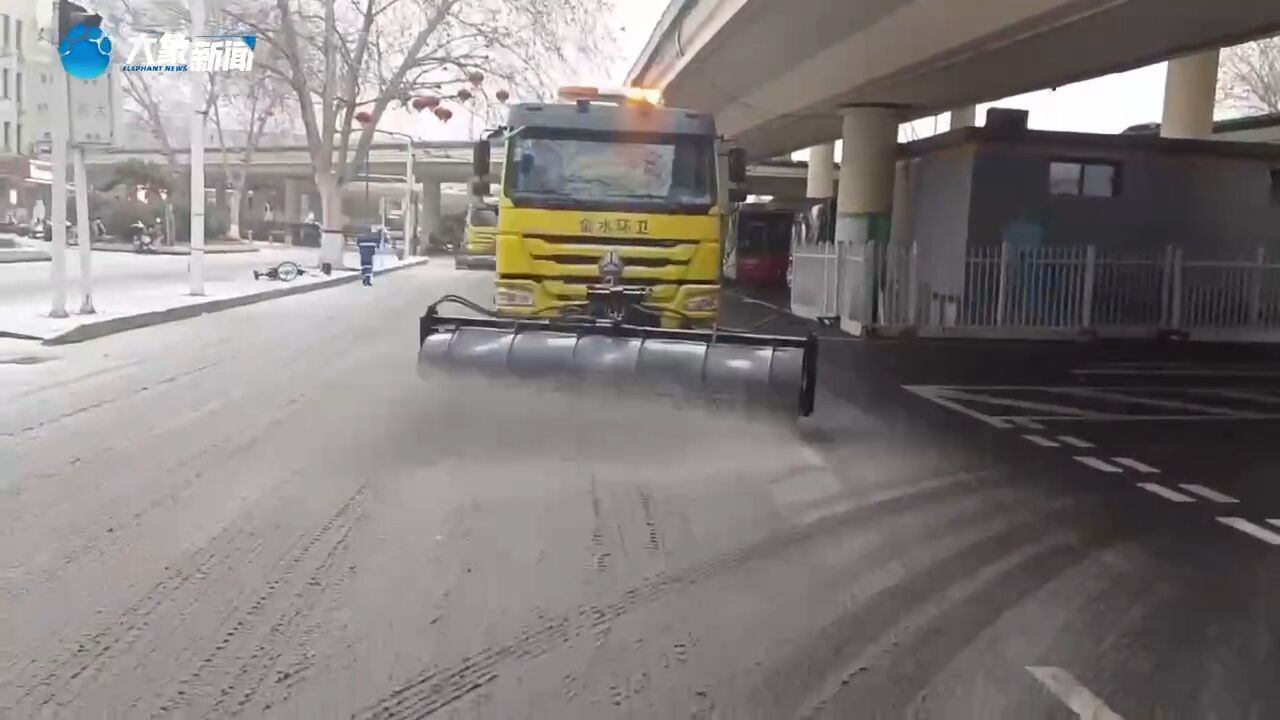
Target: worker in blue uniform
{"type": "Point", "coordinates": [368, 245]}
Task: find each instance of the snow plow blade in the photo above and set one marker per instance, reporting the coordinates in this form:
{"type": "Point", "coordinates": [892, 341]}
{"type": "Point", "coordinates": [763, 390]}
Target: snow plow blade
{"type": "Point", "coordinates": [778, 371]}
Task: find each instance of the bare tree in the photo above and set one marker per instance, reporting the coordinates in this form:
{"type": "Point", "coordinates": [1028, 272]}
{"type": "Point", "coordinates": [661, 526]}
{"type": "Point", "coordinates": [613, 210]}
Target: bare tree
{"type": "Point", "coordinates": [1249, 76]}
{"type": "Point", "coordinates": [148, 96]}
{"type": "Point", "coordinates": [348, 61]}
{"type": "Point", "coordinates": [253, 106]}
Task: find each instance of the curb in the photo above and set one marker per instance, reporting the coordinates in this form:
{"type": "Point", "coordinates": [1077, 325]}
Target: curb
{"type": "Point", "coordinates": [21, 256]}
{"type": "Point", "coordinates": [172, 249]}
{"type": "Point", "coordinates": [90, 331]}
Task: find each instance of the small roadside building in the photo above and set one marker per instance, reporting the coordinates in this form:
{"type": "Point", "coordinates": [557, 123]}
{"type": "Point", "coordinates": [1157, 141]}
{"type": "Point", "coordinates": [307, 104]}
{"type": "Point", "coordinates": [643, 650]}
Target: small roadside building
{"type": "Point", "coordinates": [1129, 195]}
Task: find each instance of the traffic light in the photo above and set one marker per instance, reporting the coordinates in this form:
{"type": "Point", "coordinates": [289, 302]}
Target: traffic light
{"type": "Point", "coordinates": [71, 15]}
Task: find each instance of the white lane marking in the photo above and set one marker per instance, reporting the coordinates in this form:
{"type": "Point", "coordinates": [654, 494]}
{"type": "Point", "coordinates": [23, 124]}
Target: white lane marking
{"type": "Point", "coordinates": [1253, 529]}
{"type": "Point", "coordinates": [1274, 522]}
{"type": "Point", "coordinates": [1117, 417]}
{"type": "Point", "coordinates": [929, 392]}
{"type": "Point", "coordinates": [1074, 441]}
{"type": "Point", "coordinates": [1097, 463]}
{"type": "Point", "coordinates": [1251, 395]}
{"type": "Point", "coordinates": [1166, 493]}
{"type": "Point", "coordinates": [1208, 493]}
{"type": "Point", "coordinates": [1180, 372]}
{"type": "Point", "coordinates": [962, 394]}
{"type": "Point", "coordinates": [1135, 465]}
{"type": "Point", "coordinates": [1124, 397]}
{"type": "Point", "coordinates": [1072, 694]}
{"type": "Point", "coordinates": [1041, 441]}
{"type": "Point", "coordinates": [949, 396]}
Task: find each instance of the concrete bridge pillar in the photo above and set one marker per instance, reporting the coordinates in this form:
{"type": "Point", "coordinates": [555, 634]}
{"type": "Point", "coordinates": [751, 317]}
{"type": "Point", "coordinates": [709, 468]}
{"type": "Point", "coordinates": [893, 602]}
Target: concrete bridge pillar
{"type": "Point", "coordinates": [966, 116]}
{"type": "Point", "coordinates": [865, 197]}
{"type": "Point", "coordinates": [1190, 89]}
{"type": "Point", "coordinates": [822, 165]}
{"type": "Point", "coordinates": [864, 204]}
{"type": "Point", "coordinates": [292, 200]}
{"type": "Point", "coordinates": [429, 218]}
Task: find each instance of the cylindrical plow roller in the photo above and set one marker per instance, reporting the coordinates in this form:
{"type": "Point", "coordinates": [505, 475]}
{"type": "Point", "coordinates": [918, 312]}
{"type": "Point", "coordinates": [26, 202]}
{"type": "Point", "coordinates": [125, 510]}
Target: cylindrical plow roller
{"type": "Point", "coordinates": [777, 370]}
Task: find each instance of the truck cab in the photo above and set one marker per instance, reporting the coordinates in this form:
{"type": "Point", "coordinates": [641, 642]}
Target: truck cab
{"type": "Point", "coordinates": [479, 239]}
{"type": "Point", "coordinates": [609, 190]}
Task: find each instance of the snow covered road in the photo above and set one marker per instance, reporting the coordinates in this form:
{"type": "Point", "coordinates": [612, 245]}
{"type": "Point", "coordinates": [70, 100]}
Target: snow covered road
{"type": "Point", "coordinates": [264, 512]}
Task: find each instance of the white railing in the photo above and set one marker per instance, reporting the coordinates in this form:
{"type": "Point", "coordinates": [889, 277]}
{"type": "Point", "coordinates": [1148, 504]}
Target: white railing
{"type": "Point", "coordinates": [815, 280]}
{"type": "Point", "coordinates": [1044, 291]}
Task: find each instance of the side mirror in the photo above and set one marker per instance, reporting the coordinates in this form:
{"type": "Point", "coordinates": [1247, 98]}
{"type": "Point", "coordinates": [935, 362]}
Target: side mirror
{"type": "Point", "coordinates": [737, 195]}
{"type": "Point", "coordinates": [480, 158]}
{"type": "Point", "coordinates": [480, 188]}
{"type": "Point", "coordinates": [737, 165]}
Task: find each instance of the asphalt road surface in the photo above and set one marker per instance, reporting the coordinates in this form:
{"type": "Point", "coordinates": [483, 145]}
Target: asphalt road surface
{"type": "Point", "coordinates": [264, 512]}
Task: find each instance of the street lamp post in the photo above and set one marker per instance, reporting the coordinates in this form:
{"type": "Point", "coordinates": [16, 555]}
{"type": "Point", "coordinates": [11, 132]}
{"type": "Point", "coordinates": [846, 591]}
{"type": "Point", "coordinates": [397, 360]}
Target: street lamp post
{"type": "Point", "coordinates": [197, 161]}
{"type": "Point", "coordinates": [408, 185]}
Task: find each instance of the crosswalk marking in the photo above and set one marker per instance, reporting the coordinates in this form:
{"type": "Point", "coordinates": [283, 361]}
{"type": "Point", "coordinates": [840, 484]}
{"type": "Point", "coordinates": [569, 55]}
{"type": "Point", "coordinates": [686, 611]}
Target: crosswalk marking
{"type": "Point", "coordinates": [1166, 493]}
{"type": "Point", "coordinates": [1135, 465]}
{"type": "Point", "coordinates": [1074, 441]}
{"type": "Point", "coordinates": [1041, 441]}
{"type": "Point", "coordinates": [1097, 463]}
{"type": "Point", "coordinates": [1208, 493]}
{"type": "Point", "coordinates": [1253, 529]}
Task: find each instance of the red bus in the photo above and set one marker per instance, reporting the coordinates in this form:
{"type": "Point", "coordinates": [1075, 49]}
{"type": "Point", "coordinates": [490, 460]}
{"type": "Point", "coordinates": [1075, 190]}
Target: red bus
{"type": "Point", "coordinates": [760, 247]}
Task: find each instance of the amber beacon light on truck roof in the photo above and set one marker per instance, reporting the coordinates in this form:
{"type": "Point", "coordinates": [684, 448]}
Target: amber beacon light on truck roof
{"type": "Point", "coordinates": [615, 96]}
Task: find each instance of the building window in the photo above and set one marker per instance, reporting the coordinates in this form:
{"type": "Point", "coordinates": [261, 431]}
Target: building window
{"type": "Point", "coordinates": [17, 140]}
{"type": "Point", "coordinates": [1085, 178]}
{"type": "Point", "coordinates": [17, 34]}
{"type": "Point", "coordinates": [4, 86]}
{"type": "Point", "coordinates": [6, 136]}
{"type": "Point", "coordinates": [1275, 186]}
{"type": "Point", "coordinates": [6, 30]}
{"type": "Point", "coordinates": [17, 87]}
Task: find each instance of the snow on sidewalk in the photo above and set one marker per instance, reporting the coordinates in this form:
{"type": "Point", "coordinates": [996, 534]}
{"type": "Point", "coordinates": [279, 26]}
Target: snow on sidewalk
{"type": "Point", "coordinates": [27, 313]}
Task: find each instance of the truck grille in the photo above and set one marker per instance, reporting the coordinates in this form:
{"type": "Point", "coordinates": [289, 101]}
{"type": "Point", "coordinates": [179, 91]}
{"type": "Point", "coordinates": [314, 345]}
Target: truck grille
{"type": "Point", "coordinates": [571, 240]}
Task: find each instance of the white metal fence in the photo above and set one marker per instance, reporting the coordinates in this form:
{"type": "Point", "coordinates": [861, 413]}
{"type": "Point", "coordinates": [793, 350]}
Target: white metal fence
{"type": "Point", "coordinates": [1037, 292]}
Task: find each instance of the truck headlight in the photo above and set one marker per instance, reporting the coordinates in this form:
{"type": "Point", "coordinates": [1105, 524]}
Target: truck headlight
{"type": "Point", "coordinates": [513, 296]}
{"type": "Point", "coordinates": [702, 303]}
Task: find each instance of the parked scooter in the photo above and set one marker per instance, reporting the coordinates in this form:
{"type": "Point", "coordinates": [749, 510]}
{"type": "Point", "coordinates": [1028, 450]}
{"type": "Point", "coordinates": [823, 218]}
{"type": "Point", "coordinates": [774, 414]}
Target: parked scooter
{"type": "Point", "coordinates": [140, 235]}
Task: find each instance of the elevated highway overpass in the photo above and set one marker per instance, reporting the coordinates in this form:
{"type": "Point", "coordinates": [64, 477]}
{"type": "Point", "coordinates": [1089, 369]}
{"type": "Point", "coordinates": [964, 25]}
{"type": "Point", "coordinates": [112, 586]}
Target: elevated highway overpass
{"type": "Point", "coordinates": [781, 76]}
{"type": "Point", "coordinates": [777, 74]}
{"type": "Point", "coordinates": [435, 162]}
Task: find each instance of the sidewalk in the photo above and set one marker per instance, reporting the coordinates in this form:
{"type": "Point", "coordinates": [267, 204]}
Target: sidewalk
{"type": "Point", "coordinates": [138, 290]}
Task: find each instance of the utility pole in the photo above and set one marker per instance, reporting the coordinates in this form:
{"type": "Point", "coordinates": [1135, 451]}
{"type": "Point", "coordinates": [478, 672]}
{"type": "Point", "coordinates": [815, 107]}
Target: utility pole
{"type": "Point", "coordinates": [61, 133]}
{"type": "Point", "coordinates": [84, 235]}
{"type": "Point", "coordinates": [408, 202]}
{"type": "Point", "coordinates": [66, 16]}
{"type": "Point", "coordinates": [197, 159]}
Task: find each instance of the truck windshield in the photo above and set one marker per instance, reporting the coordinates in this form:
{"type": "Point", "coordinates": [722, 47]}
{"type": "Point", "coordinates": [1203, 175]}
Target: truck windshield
{"type": "Point", "coordinates": [675, 172]}
{"type": "Point", "coordinates": [483, 217]}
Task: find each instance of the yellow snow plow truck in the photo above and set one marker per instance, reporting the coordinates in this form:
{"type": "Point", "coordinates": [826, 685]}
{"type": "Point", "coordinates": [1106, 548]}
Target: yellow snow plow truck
{"type": "Point", "coordinates": [611, 209]}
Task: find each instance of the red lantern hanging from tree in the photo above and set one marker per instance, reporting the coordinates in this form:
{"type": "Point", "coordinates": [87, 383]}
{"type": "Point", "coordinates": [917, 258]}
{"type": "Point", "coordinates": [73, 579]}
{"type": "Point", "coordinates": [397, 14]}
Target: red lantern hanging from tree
{"type": "Point", "coordinates": [420, 103]}
{"type": "Point", "coordinates": [476, 77]}
{"type": "Point", "coordinates": [363, 117]}
{"type": "Point", "coordinates": [443, 113]}
{"type": "Point", "coordinates": [502, 96]}
{"type": "Point", "coordinates": [464, 94]}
